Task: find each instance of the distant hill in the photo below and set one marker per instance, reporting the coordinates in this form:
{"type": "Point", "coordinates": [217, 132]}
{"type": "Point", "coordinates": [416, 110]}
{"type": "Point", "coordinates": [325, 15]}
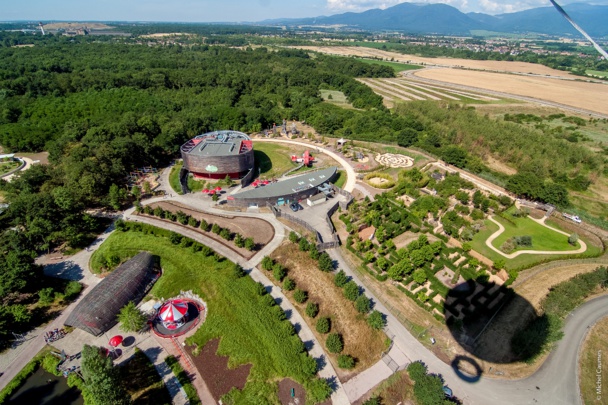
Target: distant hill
{"type": "Point", "coordinates": [418, 18]}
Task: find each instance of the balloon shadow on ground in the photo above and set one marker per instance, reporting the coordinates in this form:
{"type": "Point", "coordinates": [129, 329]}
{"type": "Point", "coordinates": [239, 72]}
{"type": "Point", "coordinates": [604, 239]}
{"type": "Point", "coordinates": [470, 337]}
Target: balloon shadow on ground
{"type": "Point", "coordinates": [493, 323]}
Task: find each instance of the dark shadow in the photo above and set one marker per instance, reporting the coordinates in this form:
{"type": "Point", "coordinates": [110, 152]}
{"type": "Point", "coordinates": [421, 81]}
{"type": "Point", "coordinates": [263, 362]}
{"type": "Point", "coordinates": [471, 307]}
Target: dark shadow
{"type": "Point", "coordinates": [321, 362]}
{"type": "Point", "coordinates": [493, 323]}
{"type": "Point", "coordinates": [153, 353]}
{"type": "Point", "coordinates": [262, 161]}
{"type": "Point", "coordinates": [288, 314]}
{"type": "Point", "coordinates": [297, 327]}
{"type": "Point", "coordinates": [128, 341]}
{"type": "Point", "coordinates": [465, 376]}
{"type": "Point", "coordinates": [66, 269]}
{"type": "Point", "coordinates": [333, 383]}
{"type": "Point", "coordinates": [309, 345]}
{"type": "Point", "coordinates": [278, 300]}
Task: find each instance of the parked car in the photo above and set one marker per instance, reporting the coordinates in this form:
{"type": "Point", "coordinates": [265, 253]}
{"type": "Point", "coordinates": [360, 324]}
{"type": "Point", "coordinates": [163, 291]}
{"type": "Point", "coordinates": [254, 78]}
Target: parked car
{"type": "Point", "coordinates": [448, 391]}
{"type": "Point", "coordinates": [294, 206]}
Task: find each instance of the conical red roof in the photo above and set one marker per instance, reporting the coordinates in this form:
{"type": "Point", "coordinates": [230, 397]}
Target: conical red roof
{"type": "Point", "coordinates": [173, 311]}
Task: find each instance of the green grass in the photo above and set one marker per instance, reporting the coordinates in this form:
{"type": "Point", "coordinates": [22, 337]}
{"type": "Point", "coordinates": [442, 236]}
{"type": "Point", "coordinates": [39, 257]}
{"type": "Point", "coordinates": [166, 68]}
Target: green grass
{"type": "Point", "coordinates": [336, 97]}
{"type": "Point", "coordinates": [193, 185]}
{"type": "Point", "coordinates": [597, 73]}
{"type": "Point", "coordinates": [183, 379]}
{"type": "Point", "coordinates": [340, 180]}
{"type": "Point", "coordinates": [397, 66]}
{"type": "Point", "coordinates": [251, 328]}
{"type": "Point", "coordinates": [6, 167]}
{"type": "Point", "coordinates": [275, 159]}
{"type": "Point", "coordinates": [543, 238]}
{"type": "Point", "coordinates": [143, 382]}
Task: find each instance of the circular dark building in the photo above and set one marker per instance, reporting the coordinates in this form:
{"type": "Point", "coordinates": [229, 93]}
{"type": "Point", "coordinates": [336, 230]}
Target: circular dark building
{"type": "Point", "coordinates": [216, 154]}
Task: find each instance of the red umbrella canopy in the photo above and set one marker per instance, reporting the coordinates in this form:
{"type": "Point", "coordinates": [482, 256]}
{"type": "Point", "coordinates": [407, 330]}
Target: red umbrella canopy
{"type": "Point", "coordinates": [116, 340]}
{"type": "Point", "coordinates": [205, 190]}
{"type": "Point", "coordinates": [173, 311]}
{"type": "Point", "coordinates": [265, 182]}
{"type": "Point", "coordinates": [211, 192]}
{"type": "Point", "coordinates": [218, 188]}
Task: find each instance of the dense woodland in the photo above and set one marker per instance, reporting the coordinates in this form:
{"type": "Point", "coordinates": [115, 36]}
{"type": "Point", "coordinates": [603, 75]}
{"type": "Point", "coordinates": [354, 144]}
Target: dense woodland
{"type": "Point", "coordinates": [102, 107]}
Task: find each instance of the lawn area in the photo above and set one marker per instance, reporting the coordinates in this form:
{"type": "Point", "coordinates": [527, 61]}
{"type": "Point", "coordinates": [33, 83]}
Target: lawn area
{"type": "Point", "coordinates": [597, 73]}
{"type": "Point", "coordinates": [340, 179]}
{"type": "Point", "coordinates": [397, 67]}
{"type": "Point", "coordinates": [6, 167]}
{"type": "Point", "coordinates": [251, 328]}
{"type": "Point", "coordinates": [193, 185]}
{"type": "Point", "coordinates": [274, 159]}
{"type": "Point", "coordinates": [593, 358]}
{"type": "Point", "coordinates": [143, 382]}
{"type": "Point", "coordinates": [335, 97]}
{"type": "Point", "coordinates": [543, 238]}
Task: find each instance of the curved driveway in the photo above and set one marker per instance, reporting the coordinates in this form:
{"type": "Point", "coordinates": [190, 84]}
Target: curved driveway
{"type": "Point", "coordinates": [351, 178]}
{"type": "Point", "coordinates": [501, 229]}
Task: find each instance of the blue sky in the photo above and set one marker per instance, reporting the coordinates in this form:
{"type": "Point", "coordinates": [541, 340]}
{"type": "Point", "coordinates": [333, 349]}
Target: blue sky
{"type": "Point", "coordinates": [229, 10]}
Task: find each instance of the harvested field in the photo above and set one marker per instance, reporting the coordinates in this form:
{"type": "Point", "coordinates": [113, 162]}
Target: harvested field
{"type": "Point", "coordinates": [566, 92]}
{"type": "Point", "coordinates": [214, 369]}
{"type": "Point", "coordinates": [360, 341]}
{"type": "Point", "coordinates": [497, 66]}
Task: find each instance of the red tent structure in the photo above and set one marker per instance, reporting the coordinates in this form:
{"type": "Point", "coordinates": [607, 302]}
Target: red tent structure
{"type": "Point", "coordinates": [218, 188]}
{"type": "Point", "coordinates": [205, 190]}
{"type": "Point", "coordinates": [265, 182]}
{"type": "Point", "coordinates": [173, 314]}
{"type": "Point", "coordinates": [211, 192]}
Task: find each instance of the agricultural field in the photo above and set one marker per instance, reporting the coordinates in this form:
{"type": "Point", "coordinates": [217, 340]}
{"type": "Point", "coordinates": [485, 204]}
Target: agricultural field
{"type": "Point", "coordinates": [398, 67]}
{"type": "Point", "coordinates": [251, 328]}
{"type": "Point", "coordinates": [404, 89]}
{"type": "Point", "coordinates": [335, 97]}
{"type": "Point", "coordinates": [566, 92]}
{"type": "Point", "coordinates": [597, 73]}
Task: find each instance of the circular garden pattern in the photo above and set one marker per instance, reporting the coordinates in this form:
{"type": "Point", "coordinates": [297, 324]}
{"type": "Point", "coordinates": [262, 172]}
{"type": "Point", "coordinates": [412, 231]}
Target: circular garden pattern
{"type": "Point", "coordinates": [393, 160]}
{"type": "Point", "coordinates": [379, 180]}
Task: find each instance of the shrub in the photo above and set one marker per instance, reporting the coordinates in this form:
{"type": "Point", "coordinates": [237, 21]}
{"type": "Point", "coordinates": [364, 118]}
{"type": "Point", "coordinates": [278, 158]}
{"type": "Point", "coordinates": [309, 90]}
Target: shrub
{"type": "Point", "coordinates": [573, 239]}
{"type": "Point", "coordinates": [192, 222]}
{"type": "Point", "coordinates": [508, 246]}
{"type": "Point", "coordinates": [419, 276]}
{"type": "Point", "coordinates": [325, 262]}
{"type": "Point", "coordinates": [300, 296]}
{"type": "Point", "coordinates": [312, 309]}
{"type": "Point", "coordinates": [237, 271]}
{"type": "Point", "coordinates": [260, 289]}
{"type": "Point", "coordinates": [351, 291]}
{"type": "Point", "coordinates": [314, 252]}
{"type": "Point", "coordinates": [323, 325]}
{"type": "Point", "coordinates": [303, 244]}
{"type": "Point", "coordinates": [249, 244]}
{"type": "Point", "coordinates": [216, 229]}
{"type": "Point", "coordinates": [159, 212]}
{"type": "Point", "coordinates": [279, 272]}
{"type": "Point", "coordinates": [225, 234]}
{"type": "Point", "coordinates": [319, 390]}
{"type": "Point", "coordinates": [238, 240]}
{"type": "Point", "coordinates": [289, 284]}
{"type": "Point", "coordinates": [499, 264]}
{"type": "Point", "coordinates": [293, 237]}
{"type": "Point", "coordinates": [346, 361]}
{"type": "Point", "coordinates": [267, 263]}
{"type": "Point", "coordinates": [373, 401]}
{"type": "Point", "coordinates": [72, 290]}
{"type": "Point", "coordinates": [417, 370]}
{"type": "Point", "coordinates": [204, 225]}
{"type": "Point", "coordinates": [340, 279]}
{"type": "Point", "coordinates": [363, 304]}
{"type": "Point", "coordinates": [46, 296]}
{"type": "Point", "coordinates": [334, 343]}
{"type": "Point", "coordinates": [376, 320]}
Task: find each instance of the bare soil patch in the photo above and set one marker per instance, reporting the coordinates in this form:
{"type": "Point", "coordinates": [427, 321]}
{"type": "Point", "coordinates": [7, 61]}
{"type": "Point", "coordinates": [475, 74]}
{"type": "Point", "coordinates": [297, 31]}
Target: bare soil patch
{"type": "Point", "coordinates": [261, 231]}
{"type": "Point", "coordinates": [214, 369]}
{"type": "Point", "coordinates": [407, 237]}
{"type": "Point", "coordinates": [43, 157]}
{"type": "Point", "coordinates": [285, 387]}
{"type": "Point", "coordinates": [560, 91]}
{"type": "Point", "coordinates": [360, 341]}
{"type": "Point", "coordinates": [500, 166]}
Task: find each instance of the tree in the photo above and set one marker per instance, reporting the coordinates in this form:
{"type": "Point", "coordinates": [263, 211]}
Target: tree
{"type": "Point", "coordinates": [351, 290]}
{"type": "Point", "coordinates": [279, 272]}
{"type": "Point", "coordinates": [136, 192]}
{"type": "Point", "coordinates": [312, 309]}
{"type": "Point", "coordinates": [499, 264]}
{"type": "Point", "coordinates": [313, 252]}
{"type": "Point", "coordinates": [225, 234]}
{"type": "Point", "coordinates": [289, 284]}
{"type": "Point", "coordinates": [345, 361]}
{"type": "Point", "coordinates": [456, 156]}
{"type": "Point", "coordinates": [573, 239]}
{"type": "Point", "coordinates": [303, 244]}
{"type": "Point", "coordinates": [467, 247]}
{"type": "Point", "coordinates": [300, 296]}
{"type": "Point", "coordinates": [419, 276]}
{"type": "Point", "coordinates": [204, 225]}
{"type": "Point", "coordinates": [101, 379]}
{"type": "Point", "coordinates": [216, 229]}
{"type": "Point", "coordinates": [340, 279]}
{"type": "Point", "coordinates": [323, 325]}
{"type": "Point", "coordinates": [215, 197]}
{"type": "Point", "coordinates": [334, 343]}
{"type": "Point", "coordinates": [115, 197]}
{"type": "Point", "coordinates": [131, 318]}
{"type": "Point", "coordinates": [363, 304]}
{"type": "Point", "coordinates": [325, 262]}
{"type": "Point", "coordinates": [147, 188]}
{"type": "Point", "coordinates": [376, 320]}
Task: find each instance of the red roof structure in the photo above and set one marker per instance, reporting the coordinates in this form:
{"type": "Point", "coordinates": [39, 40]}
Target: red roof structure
{"type": "Point", "coordinates": [173, 311]}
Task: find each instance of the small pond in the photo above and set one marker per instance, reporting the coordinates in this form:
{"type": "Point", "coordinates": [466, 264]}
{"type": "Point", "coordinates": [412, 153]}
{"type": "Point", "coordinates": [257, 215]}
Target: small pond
{"type": "Point", "coordinates": [44, 388]}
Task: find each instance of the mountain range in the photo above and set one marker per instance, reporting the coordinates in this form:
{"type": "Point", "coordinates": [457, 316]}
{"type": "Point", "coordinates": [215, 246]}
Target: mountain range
{"type": "Point", "coordinates": [422, 18]}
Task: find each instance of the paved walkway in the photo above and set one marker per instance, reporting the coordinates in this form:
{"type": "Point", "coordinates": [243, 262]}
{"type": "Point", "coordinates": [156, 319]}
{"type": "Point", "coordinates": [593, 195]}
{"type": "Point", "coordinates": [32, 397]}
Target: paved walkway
{"type": "Point", "coordinates": [501, 229]}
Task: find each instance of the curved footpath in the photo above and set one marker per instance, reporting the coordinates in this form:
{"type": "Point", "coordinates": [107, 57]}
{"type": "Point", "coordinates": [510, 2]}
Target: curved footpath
{"type": "Point", "coordinates": [501, 229]}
